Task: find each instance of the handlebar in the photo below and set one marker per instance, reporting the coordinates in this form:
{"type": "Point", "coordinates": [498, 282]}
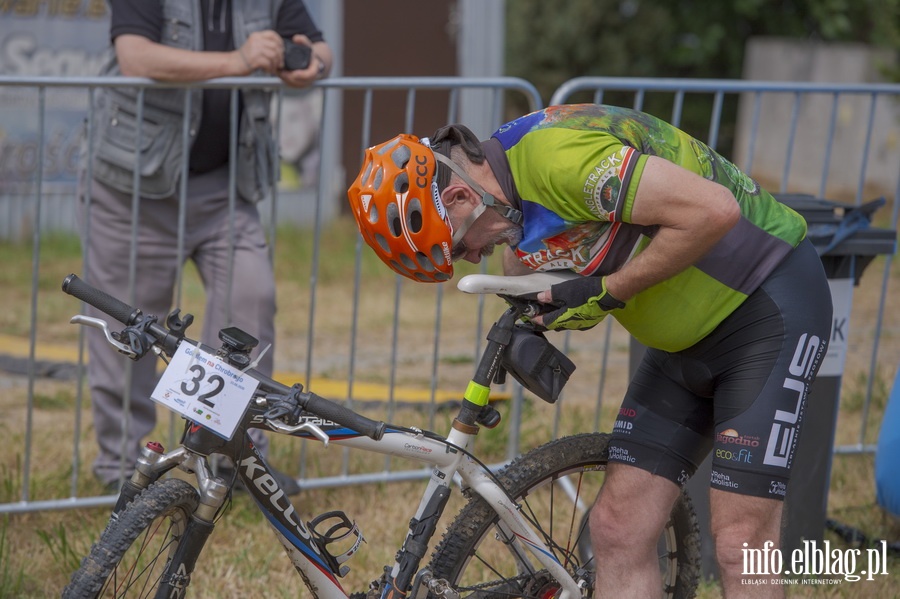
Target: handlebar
{"type": "Point", "coordinates": [166, 339]}
{"type": "Point", "coordinates": [330, 410]}
{"type": "Point", "coordinates": [130, 316]}
{"type": "Point", "coordinates": [101, 300]}
{"type": "Point", "coordinates": [290, 404]}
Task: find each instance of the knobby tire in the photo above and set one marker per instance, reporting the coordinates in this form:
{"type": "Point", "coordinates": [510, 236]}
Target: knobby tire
{"type": "Point", "coordinates": [131, 559]}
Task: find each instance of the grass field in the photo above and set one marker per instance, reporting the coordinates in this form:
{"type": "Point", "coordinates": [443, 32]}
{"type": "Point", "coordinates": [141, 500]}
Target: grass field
{"type": "Point", "coordinates": [38, 551]}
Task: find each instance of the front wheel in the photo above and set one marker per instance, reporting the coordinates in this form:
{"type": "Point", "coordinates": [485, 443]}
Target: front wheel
{"type": "Point", "coordinates": [133, 557]}
{"type": "Point", "coordinates": [555, 486]}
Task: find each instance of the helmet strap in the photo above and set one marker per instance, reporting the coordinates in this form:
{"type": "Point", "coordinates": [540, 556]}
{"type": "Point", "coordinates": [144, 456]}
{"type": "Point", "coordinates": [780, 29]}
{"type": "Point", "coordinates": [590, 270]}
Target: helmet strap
{"type": "Point", "coordinates": [507, 212]}
{"type": "Point", "coordinates": [459, 233]}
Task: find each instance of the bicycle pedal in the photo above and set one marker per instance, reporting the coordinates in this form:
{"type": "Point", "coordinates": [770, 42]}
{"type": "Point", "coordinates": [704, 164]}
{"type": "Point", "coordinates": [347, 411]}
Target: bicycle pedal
{"type": "Point", "coordinates": [340, 530]}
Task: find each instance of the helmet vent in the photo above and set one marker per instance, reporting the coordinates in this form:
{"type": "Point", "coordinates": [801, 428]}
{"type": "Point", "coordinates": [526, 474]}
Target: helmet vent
{"type": "Point", "coordinates": [379, 176]}
{"type": "Point", "coordinates": [367, 171]}
{"type": "Point", "coordinates": [386, 146]}
{"type": "Point", "coordinates": [437, 254]}
{"type": "Point", "coordinates": [401, 183]}
{"type": "Point", "coordinates": [383, 243]}
{"type": "Point", "coordinates": [400, 156]}
{"type": "Point", "coordinates": [424, 262]}
{"type": "Point", "coordinates": [441, 276]}
{"type": "Point", "coordinates": [414, 218]}
{"type": "Point", "coordinates": [395, 224]}
{"type": "Point", "coordinates": [396, 266]}
{"type": "Point", "coordinates": [373, 214]}
{"type": "Point", "coordinates": [408, 262]}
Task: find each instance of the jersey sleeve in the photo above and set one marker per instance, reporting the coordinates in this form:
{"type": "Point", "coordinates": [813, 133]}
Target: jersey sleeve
{"type": "Point", "coordinates": [581, 175]}
{"type": "Point", "coordinates": [139, 17]}
{"type": "Point", "coordinates": [293, 18]}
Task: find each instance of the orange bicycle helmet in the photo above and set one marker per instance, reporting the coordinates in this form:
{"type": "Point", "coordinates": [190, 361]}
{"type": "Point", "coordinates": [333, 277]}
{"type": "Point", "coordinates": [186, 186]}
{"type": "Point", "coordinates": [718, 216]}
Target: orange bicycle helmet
{"type": "Point", "coordinates": [398, 209]}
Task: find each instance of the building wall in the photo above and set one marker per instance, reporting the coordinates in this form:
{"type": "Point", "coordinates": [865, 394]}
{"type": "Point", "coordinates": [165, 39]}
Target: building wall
{"type": "Point", "coordinates": [778, 59]}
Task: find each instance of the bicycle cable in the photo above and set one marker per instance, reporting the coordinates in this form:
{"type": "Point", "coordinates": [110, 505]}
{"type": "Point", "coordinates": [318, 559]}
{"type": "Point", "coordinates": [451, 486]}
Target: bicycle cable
{"type": "Point", "coordinates": [436, 437]}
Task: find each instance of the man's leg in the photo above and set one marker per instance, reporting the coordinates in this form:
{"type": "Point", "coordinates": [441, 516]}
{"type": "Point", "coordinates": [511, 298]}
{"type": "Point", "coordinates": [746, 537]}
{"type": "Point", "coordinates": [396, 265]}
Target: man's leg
{"type": "Point", "coordinates": [249, 303]}
{"type": "Point", "coordinates": [120, 429]}
{"type": "Point", "coordinates": [742, 522]}
{"type": "Point", "coordinates": [626, 523]}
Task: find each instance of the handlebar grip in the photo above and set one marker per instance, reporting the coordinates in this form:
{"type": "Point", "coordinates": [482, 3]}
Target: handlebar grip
{"type": "Point", "coordinates": [101, 300]}
{"type": "Point", "coordinates": [337, 413]}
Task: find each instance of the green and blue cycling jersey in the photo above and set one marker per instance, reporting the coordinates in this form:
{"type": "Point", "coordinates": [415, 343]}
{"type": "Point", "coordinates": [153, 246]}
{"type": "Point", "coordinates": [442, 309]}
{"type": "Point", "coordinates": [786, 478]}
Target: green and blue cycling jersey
{"type": "Point", "coordinates": [575, 170]}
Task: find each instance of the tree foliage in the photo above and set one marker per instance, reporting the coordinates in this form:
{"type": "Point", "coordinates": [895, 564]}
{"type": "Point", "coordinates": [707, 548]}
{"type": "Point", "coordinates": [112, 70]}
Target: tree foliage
{"type": "Point", "coordinates": [551, 42]}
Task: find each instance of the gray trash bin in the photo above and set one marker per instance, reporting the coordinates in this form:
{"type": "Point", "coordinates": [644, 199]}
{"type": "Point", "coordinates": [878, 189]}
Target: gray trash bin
{"type": "Point", "coordinates": [847, 244]}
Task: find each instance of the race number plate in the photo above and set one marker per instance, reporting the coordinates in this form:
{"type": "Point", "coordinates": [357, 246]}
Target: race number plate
{"type": "Point", "coordinates": [205, 390]}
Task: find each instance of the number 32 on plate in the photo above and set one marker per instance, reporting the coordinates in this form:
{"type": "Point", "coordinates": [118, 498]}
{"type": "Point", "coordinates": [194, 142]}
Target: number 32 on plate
{"type": "Point", "coordinates": [205, 390]}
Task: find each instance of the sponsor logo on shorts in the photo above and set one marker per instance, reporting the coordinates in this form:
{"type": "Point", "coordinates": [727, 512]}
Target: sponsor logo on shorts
{"type": "Point", "coordinates": [737, 455]}
{"type": "Point", "coordinates": [732, 437]}
{"type": "Point", "coordinates": [783, 436]}
{"type": "Point", "coordinates": [777, 488]}
{"type": "Point", "coordinates": [627, 412]}
{"type": "Point", "coordinates": [619, 454]}
{"type": "Point", "coordinates": [720, 479]}
{"type": "Point", "coordinates": [623, 426]}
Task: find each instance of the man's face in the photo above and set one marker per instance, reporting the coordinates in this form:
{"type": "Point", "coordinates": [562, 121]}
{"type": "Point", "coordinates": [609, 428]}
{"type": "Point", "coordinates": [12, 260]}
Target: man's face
{"type": "Point", "coordinates": [486, 232]}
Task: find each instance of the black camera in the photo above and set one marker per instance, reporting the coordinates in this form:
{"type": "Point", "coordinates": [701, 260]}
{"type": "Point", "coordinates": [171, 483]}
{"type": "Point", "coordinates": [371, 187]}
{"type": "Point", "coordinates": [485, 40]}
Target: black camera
{"type": "Point", "coordinates": [296, 56]}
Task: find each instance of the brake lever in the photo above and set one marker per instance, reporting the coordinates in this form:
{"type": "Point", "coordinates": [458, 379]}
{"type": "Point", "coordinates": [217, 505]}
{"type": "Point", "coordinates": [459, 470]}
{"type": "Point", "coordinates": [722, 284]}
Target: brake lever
{"type": "Point", "coordinates": [288, 405]}
{"type": "Point", "coordinates": [309, 427]}
{"type": "Point", "coordinates": [98, 323]}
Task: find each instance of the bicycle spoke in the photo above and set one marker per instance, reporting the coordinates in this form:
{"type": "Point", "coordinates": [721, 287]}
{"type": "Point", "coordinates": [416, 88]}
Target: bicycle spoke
{"type": "Point", "coordinates": [132, 575]}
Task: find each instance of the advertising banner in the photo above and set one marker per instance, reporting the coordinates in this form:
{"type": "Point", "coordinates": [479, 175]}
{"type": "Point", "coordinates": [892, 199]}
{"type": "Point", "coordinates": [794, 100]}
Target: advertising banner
{"type": "Point", "coordinates": [49, 38]}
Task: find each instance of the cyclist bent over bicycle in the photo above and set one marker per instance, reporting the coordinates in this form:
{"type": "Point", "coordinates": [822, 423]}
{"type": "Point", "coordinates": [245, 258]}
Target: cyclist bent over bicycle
{"type": "Point", "coordinates": [687, 252]}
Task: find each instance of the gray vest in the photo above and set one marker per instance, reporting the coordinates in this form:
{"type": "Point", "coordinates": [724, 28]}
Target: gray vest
{"type": "Point", "coordinates": [161, 156]}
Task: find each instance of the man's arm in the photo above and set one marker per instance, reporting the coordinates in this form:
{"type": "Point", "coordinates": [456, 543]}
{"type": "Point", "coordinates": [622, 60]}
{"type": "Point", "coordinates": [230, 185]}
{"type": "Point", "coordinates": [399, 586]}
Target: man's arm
{"type": "Point", "coordinates": [141, 57]}
{"type": "Point", "coordinates": [294, 21]}
{"type": "Point", "coordinates": [693, 214]}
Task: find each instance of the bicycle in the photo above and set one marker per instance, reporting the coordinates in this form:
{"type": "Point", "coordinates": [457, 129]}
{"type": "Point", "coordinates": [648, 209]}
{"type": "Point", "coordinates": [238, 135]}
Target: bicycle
{"type": "Point", "coordinates": [523, 532]}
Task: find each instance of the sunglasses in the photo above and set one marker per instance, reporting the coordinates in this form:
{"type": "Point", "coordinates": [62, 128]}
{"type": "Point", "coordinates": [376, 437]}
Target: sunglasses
{"type": "Point", "coordinates": [459, 250]}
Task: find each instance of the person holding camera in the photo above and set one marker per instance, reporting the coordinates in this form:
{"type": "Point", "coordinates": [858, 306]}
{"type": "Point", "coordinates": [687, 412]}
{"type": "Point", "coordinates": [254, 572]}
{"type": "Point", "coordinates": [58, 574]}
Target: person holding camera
{"type": "Point", "coordinates": [688, 253]}
{"type": "Point", "coordinates": [184, 41]}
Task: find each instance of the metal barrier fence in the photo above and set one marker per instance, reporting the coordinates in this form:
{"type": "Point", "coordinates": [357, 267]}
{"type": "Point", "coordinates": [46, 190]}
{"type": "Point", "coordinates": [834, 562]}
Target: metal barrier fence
{"type": "Point", "coordinates": [376, 341]}
{"type": "Point", "coordinates": [304, 344]}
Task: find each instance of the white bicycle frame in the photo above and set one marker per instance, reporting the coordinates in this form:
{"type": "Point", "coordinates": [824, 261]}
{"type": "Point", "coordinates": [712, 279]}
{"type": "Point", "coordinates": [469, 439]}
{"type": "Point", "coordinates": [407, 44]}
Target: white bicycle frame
{"type": "Point", "coordinates": [447, 462]}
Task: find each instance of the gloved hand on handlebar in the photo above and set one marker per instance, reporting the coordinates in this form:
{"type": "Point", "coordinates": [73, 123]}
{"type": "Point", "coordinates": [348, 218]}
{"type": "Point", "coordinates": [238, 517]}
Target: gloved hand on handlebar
{"type": "Point", "coordinates": [582, 304]}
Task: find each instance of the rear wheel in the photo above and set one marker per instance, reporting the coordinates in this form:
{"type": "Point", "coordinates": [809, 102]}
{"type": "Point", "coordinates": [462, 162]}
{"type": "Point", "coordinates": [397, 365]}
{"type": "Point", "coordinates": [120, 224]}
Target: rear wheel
{"type": "Point", "coordinates": [555, 485]}
{"type": "Point", "coordinates": [133, 557]}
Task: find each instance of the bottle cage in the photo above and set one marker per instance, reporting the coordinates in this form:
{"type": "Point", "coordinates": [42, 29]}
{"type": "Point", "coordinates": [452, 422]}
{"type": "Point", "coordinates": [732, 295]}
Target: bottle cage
{"type": "Point", "coordinates": [340, 530]}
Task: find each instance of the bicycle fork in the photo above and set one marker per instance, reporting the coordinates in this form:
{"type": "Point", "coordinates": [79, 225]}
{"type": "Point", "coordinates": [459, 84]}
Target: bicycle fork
{"type": "Point", "coordinates": [151, 462]}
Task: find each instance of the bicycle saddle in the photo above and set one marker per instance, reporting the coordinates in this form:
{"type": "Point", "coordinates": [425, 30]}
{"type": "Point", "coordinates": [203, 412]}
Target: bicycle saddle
{"type": "Point", "coordinates": [521, 285]}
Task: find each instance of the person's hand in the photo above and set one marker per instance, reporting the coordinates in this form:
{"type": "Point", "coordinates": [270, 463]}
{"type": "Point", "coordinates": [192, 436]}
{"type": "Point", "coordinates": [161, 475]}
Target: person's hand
{"type": "Point", "coordinates": [263, 50]}
{"type": "Point", "coordinates": [304, 77]}
{"type": "Point", "coordinates": [580, 304]}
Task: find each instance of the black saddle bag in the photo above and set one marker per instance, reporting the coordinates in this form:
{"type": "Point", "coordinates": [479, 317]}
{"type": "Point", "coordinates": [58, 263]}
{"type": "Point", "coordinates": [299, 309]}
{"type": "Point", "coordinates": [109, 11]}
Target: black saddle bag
{"type": "Point", "coordinates": [536, 363]}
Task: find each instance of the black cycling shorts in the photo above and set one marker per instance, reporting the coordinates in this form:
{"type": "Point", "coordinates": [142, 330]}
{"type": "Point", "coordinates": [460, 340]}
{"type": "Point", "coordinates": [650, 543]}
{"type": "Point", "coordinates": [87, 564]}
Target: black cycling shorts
{"type": "Point", "coordinates": [740, 392]}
